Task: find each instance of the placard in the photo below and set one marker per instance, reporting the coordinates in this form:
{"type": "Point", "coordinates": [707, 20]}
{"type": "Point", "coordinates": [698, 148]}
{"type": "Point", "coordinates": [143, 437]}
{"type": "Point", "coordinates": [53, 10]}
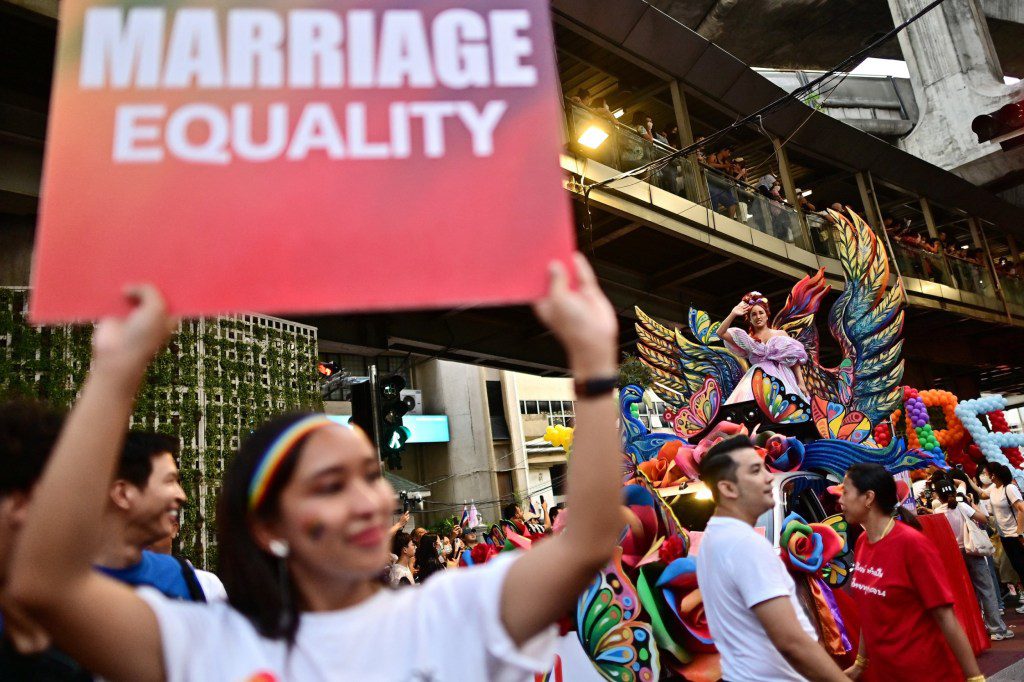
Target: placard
{"type": "Point", "coordinates": [299, 157]}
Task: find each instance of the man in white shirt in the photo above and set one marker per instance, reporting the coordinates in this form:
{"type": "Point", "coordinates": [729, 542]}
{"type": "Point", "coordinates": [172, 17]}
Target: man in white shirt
{"type": "Point", "coordinates": [750, 600]}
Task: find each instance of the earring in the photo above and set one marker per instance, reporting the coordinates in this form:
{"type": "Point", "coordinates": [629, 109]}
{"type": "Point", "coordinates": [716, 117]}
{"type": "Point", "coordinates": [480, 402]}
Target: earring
{"type": "Point", "coordinates": [280, 549]}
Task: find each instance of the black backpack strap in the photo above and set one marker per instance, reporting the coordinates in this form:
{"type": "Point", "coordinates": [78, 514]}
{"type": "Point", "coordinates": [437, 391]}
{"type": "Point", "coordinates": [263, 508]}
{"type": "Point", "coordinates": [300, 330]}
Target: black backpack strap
{"type": "Point", "coordinates": [195, 590]}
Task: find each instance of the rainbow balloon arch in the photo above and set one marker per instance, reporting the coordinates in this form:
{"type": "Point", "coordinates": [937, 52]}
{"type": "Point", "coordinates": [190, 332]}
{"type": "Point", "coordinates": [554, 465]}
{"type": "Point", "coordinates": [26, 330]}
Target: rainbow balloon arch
{"type": "Point", "coordinates": [643, 618]}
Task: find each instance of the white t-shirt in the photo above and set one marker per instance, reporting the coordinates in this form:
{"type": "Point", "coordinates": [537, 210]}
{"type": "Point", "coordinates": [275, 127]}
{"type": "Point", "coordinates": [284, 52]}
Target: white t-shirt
{"type": "Point", "coordinates": [447, 629]}
{"type": "Point", "coordinates": [737, 569]}
{"type": "Point", "coordinates": [213, 588]}
{"type": "Point", "coordinates": [956, 519]}
{"type": "Point", "coordinates": [1002, 500]}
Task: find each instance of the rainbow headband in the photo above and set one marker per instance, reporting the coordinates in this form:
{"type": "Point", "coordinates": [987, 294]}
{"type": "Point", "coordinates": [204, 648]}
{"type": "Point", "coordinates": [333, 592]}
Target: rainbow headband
{"type": "Point", "coordinates": [276, 453]}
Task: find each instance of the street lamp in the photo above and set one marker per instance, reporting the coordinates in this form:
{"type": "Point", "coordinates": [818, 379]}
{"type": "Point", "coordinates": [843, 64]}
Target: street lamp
{"type": "Point", "coordinates": [593, 137]}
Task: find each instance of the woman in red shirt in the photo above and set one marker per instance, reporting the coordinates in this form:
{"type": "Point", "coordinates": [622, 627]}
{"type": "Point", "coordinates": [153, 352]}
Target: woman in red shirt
{"type": "Point", "coordinates": [908, 628]}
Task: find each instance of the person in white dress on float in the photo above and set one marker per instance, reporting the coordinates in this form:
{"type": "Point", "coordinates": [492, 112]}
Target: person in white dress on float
{"type": "Point", "coordinates": [772, 350]}
{"type": "Point", "coordinates": [303, 536]}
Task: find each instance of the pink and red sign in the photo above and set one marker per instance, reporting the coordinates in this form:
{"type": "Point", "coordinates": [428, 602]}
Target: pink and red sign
{"type": "Point", "coordinates": [292, 157]}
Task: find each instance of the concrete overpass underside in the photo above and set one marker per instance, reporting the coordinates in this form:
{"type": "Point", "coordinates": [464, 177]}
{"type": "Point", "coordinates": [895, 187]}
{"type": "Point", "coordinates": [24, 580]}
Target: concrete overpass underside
{"type": "Point", "coordinates": [642, 265]}
{"type": "Point", "coordinates": [817, 34]}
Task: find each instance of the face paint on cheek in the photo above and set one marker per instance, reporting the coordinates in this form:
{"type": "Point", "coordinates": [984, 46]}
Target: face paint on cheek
{"type": "Point", "coordinates": [314, 529]}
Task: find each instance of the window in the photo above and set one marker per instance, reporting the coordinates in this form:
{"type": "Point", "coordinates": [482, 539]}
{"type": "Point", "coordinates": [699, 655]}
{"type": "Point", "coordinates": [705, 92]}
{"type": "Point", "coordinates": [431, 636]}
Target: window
{"type": "Point", "coordinates": [531, 407]}
{"type": "Point", "coordinates": [561, 420]}
{"type": "Point", "coordinates": [496, 411]}
{"type": "Point", "coordinates": [804, 495]}
{"type": "Point", "coordinates": [545, 407]}
{"type": "Point", "coordinates": [558, 474]}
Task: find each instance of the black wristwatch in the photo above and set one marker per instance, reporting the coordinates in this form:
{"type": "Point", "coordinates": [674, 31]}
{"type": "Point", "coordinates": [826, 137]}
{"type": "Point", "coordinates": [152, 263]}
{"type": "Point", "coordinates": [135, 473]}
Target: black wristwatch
{"type": "Point", "coordinates": [597, 386]}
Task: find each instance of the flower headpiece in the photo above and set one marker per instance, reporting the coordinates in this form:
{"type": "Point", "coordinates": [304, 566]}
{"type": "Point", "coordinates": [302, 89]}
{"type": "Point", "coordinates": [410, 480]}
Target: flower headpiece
{"type": "Point", "coordinates": [756, 298]}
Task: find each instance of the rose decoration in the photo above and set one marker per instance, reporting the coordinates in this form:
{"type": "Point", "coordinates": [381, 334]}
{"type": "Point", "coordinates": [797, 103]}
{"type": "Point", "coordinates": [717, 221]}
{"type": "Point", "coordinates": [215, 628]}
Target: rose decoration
{"type": "Point", "coordinates": [806, 549]}
{"type": "Point", "coordinates": [662, 471]}
{"type": "Point", "coordinates": [678, 583]}
{"type": "Point", "coordinates": [641, 536]}
{"type": "Point", "coordinates": [782, 453]}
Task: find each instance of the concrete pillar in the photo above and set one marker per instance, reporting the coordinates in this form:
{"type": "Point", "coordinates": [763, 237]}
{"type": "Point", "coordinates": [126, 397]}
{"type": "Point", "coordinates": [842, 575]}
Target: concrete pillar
{"type": "Point", "coordinates": [929, 219]}
{"type": "Point", "coordinates": [972, 224]}
{"type": "Point", "coordinates": [956, 76]}
{"type": "Point", "coordinates": [696, 188]}
{"type": "Point", "coordinates": [464, 467]}
{"type": "Point", "coordinates": [786, 175]}
{"type": "Point", "coordinates": [867, 199]}
{"type": "Point", "coordinates": [1014, 253]}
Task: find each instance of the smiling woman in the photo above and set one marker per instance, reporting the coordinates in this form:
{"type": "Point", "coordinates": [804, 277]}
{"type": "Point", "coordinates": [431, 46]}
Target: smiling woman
{"type": "Point", "coordinates": [303, 540]}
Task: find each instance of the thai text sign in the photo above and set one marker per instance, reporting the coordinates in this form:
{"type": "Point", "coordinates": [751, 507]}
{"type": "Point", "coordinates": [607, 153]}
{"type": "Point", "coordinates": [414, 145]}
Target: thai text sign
{"type": "Point", "coordinates": [335, 156]}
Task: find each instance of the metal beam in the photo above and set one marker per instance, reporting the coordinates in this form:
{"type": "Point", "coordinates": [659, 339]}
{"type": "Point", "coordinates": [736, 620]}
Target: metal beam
{"type": "Point", "coordinates": [698, 273]}
{"type": "Point", "coordinates": [615, 234]}
{"type": "Point", "coordinates": [45, 8]}
{"type": "Point", "coordinates": [657, 279]}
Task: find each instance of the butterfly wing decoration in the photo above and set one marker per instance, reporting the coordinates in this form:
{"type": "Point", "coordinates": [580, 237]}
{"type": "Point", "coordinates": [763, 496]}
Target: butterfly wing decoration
{"type": "Point", "coordinates": [837, 571]}
{"type": "Point", "coordinates": [771, 397]}
{"type": "Point", "coordinates": [680, 366]}
{"type": "Point", "coordinates": [618, 643]}
{"type": "Point", "coordinates": [694, 417]}
{"type": "Point", "coordinates": [834, 421]}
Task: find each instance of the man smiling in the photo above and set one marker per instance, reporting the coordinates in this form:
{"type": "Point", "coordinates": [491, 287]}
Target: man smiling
{"type": "Point", "coordinates": [142, 509]}
{"type": "Point", "coordinates": [759, 627]}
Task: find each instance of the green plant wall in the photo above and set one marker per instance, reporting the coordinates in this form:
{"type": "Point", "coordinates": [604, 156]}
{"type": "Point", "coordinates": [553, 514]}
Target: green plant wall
{"type": "Point", "coordinates": [218, 380]}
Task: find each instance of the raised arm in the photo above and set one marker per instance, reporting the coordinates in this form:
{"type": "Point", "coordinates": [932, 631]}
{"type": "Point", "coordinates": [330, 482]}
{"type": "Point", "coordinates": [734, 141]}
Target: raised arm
{"type": "Point", "coordinates": [982, 495]}
{"type": "Point", "coordinates": [740, 310]}
{"type": "Point", "coordinates": [101, 623]}
{"type": "Point", "coordinates": [585, 324]}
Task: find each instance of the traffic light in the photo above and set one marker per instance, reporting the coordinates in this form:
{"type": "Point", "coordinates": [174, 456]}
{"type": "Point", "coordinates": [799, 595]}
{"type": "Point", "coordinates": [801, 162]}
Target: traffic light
{"type": "Point", "coordinates": [1005, 126]}
{"type": "Point", "coordinates": [327, 369]}
{"type": "Point", "coordinates": [391, 407]}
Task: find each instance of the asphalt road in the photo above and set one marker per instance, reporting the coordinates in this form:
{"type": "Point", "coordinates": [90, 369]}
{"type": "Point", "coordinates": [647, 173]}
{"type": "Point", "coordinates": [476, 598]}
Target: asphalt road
{"type": "Point", "coordinates": [1004, 662]}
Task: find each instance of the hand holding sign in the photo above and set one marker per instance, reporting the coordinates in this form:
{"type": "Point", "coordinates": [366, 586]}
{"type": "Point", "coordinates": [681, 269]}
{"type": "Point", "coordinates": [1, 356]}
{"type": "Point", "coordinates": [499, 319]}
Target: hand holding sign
{"type": "Point", "coordinates": [218, 150]}
{"type": "Point", "coordinates": [583, 320]}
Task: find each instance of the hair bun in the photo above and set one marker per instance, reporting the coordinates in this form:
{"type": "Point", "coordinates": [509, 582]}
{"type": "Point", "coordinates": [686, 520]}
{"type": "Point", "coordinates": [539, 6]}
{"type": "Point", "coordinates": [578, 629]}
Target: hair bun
{"type": "Point", "coordinates": [756, 298]}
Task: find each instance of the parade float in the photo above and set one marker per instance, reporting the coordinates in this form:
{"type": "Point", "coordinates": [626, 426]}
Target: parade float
{"type": "Point", "coordinates": [642, 618]}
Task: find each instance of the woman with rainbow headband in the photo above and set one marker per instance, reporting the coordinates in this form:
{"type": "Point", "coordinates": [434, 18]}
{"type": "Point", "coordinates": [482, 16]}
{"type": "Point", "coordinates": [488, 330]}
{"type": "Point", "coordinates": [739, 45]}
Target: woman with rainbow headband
{"type": "Point", "coordinates": [772, 350]}
{"type": "Point", "coordinates": [303, 530]}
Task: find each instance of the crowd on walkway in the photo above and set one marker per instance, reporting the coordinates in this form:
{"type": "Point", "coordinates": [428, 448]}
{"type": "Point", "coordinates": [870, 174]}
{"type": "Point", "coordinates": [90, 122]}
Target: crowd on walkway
{"type": "Point", "coordinates": [986, 514]}
{"type": "Point", "coordinates": [941, 259]}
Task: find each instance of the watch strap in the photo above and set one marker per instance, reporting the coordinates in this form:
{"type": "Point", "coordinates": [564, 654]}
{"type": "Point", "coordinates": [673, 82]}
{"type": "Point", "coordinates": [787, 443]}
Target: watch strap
{"type": "Point", "coordinates": [597, 386]}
